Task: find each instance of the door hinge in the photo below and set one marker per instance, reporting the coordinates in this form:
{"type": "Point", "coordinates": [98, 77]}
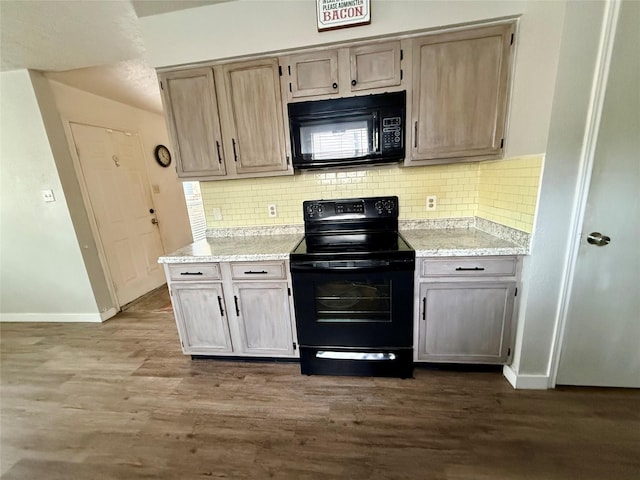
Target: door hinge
{"type": "Point", "coordinates": [289, 291]}
{"type": "Point", "coordinates": [294, 346]}
{"type": "Point", "coordinates": [288, 161]}
{"type": "Point", "coordinates": [511, 39]}
{"type": "Point", "coordinates": [401, 73]}
{"type": "Point", "coordinates": [289, 68]}
{"type": "Point", "coordinates": [280, 70]}
{"type": "Point", "coordinates": [290, 87]}
{"type": "Point", "coordinates": [509, 352]}
{"type": "Point", "coordinates": [401, 55]}
{"type": "Point", "coordinates": [161, 86]}
{"type": "Point", "coordinates": [516, 292]}
{"type": "Point", "coordinates": [502, 143]}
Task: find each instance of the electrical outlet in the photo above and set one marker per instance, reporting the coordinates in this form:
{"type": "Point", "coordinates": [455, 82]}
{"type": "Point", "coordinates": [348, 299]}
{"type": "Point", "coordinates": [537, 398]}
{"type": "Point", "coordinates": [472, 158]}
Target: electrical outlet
{"type": "Point", "coordinates": [431, 203]}
{"type": "Point", "coordinates": [273, 210]}
{"type": "Point", "coordinates": [217, 213]}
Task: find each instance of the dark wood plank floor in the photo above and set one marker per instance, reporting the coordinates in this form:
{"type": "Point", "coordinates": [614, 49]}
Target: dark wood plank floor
{"type": "Point", "coordinates": [120, 401]}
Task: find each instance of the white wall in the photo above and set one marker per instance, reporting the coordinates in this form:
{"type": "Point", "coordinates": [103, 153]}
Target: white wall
{"type": "Point", "coordinates": [545, 269]}
{"type": "Point", "coordinates": [242, 27]}
{"type": "Point", "coordinates": [43, 276]}
{"type": "Point", "coordinates": [82, 107]}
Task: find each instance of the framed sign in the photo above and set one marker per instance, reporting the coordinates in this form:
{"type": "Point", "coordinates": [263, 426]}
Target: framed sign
{"type": "Point", "coordinates": [334, 14]}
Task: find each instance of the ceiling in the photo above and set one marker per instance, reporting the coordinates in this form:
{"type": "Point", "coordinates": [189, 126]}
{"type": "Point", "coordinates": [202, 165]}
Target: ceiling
{"type": "Point", "coordinates": [96, 46]}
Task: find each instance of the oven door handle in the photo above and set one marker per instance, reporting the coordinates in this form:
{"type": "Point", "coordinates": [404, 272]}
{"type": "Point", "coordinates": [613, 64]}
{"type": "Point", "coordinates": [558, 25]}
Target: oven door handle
{"type": "Point", "coordinates": [352, 266]}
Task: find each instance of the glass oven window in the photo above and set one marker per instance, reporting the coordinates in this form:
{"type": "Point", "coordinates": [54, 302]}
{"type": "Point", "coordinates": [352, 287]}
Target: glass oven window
{"type": "Point", "coordinates": [349, 137]}
{"type": "Point", "coordinates": [348, 301]}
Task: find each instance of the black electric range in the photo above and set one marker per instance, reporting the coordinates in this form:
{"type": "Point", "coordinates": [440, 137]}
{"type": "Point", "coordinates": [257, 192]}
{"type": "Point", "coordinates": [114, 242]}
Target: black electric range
{"type": "Point", "coordinates": [352, 278]}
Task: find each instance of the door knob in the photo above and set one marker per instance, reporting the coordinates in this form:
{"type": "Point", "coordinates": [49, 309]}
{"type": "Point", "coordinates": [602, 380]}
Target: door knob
{"type": "Point", "coordinates": [596, 238]}
{"type": "Point", "coordinates": [154, 221]}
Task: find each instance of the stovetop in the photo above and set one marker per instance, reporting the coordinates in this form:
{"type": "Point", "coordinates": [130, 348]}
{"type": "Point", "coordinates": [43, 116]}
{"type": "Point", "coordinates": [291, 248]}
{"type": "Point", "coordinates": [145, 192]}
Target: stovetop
{"type": "Point", "coordinates": [352, 228]}
{"type": "Point", "coordinates": [390, 244]}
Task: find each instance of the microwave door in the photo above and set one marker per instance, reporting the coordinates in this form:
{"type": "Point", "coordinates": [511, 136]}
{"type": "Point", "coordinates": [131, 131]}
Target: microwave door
{"type": "Point", "coordinates": [338, 137]}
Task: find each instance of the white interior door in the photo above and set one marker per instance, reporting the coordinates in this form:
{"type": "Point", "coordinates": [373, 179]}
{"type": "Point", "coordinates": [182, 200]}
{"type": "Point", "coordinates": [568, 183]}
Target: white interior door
{"type": "Point", "coordinates": [113, 168]}
{"type": "Point", "coordinates": [601, 343]}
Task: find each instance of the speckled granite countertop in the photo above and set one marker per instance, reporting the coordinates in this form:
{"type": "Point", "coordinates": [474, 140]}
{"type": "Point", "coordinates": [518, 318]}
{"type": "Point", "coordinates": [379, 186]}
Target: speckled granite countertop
{"type": "Point", "coordinates": [454, 242]}
{"type": "Point", "coordinates": [434, 238]}
{"type": "Point", "coordinates": [229, 249]}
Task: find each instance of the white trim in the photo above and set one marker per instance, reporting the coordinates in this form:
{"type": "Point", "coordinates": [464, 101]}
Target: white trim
{"type": "Point", "coordinates": [106, 315]}
{"type": "Point", "coordinates": [587, 158]}
{"type": "Point", "coordinates": [525, 382]}
{"type": "Point", "coordinates": [51, 317]}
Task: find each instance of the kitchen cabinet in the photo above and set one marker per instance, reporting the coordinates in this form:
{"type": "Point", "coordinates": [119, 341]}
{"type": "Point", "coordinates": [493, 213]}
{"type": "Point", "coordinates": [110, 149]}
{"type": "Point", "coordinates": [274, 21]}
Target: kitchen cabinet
{"type": "Point", "coordinates": [264, 318]}
{"type": "Point", "coordinates": [226, 121]}
{"type": "Point", "coordinates": [460, 90]}
{"type": "Point", "coordinates": [344, 71]}
{"type": "Point", "coordinates": [199, 307]}
{"type": "Point", "coordinates": [191, 110]}
{"type": "Point", "coordinates": [464, 309]}
{"type": "Point", "coordinates": [233, 308]}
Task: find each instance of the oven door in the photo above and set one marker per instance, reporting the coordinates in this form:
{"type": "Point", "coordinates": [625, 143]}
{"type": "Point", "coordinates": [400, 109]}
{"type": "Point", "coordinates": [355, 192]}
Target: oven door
{"type": "Point", "coordinates": [353, 306]}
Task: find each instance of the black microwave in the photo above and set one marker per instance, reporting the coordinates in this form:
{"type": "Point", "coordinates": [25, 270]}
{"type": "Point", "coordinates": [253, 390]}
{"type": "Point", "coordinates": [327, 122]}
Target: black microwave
{"type": "Point", "coordinates": [345, 132]}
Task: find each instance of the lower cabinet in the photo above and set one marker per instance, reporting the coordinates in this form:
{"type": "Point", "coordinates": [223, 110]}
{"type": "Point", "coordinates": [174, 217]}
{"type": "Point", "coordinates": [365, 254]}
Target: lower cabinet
{"type": "Point", "coordinates": [201, 318]}
{"type": "Point", "coordinates": [464, 310]}
{"type": "Point", "coordinates": [264, 318]}
{"type": "Point", "coordinates": [219, 312]}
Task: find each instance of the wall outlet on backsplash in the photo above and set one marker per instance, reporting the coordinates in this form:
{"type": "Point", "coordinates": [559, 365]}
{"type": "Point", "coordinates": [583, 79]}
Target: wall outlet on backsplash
{"type": "Point", "coordinates": [217, 213]}
{"type": "Point", "coordinates": [273, 210]}
{"type": "Point", "coordinates": [431, 203]}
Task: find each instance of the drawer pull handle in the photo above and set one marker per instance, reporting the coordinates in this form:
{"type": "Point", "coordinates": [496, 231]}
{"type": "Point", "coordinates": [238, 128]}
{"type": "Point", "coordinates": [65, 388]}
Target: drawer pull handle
{"type": "Point", "coordinates": [474, 269]}
{"type": "Point", "coordinates": [220, 305]}
{"type": "Point", "coordinates": [191, 273]}
{"type": "Point", "coordinates": [424, 308]}
{"type": "Point", "coordinates": [251, 272]}
{"type": "Point", "coordinates": [235, 298]}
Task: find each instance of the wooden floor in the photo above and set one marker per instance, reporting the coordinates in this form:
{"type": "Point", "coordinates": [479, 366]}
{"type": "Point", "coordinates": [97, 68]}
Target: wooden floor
{"type": "Point", "coordinates": [120, 401]}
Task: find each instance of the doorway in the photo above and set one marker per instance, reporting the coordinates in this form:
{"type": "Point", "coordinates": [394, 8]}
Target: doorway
{"type": "Point", "coordinates": [118, 197]}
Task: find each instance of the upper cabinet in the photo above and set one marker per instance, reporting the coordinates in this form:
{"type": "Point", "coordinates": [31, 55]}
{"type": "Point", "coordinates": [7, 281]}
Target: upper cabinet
{"type": "Point", "coordinates": [255, 123]}
{"type": "Point", "coordinates": [226, 121]}
{"type": "Point", "coordinates": [191, 110]}
{"type": "Point", "coordinates": [344, 71]}
{"type": "Point", "coordinates": [460, 89]}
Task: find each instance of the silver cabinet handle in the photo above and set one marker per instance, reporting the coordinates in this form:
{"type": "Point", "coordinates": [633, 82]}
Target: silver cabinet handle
{"type": "Point", "coordinates": [596, 238]}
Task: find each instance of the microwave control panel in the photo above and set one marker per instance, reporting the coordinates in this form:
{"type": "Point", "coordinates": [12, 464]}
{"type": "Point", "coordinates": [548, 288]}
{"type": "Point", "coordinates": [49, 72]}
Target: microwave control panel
{"type": "Point", "coordinates": [391, 133]}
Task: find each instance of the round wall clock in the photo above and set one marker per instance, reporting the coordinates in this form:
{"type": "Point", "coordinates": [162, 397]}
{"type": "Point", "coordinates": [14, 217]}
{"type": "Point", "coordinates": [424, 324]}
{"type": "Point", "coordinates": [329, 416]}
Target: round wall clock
{"type": "Point", "coordinates": [163, 156]}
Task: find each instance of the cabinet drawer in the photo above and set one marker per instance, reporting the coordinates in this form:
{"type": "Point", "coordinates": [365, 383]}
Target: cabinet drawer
{"type": "Point", "coordinates": [468, 266]}
{"type": "Point", "coordinates": [261, 270]}
{"type": "Point", "coordinates": [195, 271]}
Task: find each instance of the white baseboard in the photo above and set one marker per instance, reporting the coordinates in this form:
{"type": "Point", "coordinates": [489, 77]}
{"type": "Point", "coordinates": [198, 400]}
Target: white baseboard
{"type": "Point", "coordinates": [525, 382]}
{"type": "Point", "coordinates": [51, 317]}
{"type": "Point", "coordinates": [104, 316]}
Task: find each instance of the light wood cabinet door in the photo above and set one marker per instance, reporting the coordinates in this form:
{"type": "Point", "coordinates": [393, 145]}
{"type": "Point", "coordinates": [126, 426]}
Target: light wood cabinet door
{"type": "Point", "coordinates": [191, 110]}
{"type": "Point", "coordinates": [466, 322]}
{"type": "Point", "coordinates": [460, 92]}
{"type": "Point", "coordinates": [314, 73]}
{"type": "Point", "coordinates": [375, 66]}
{"type": "Point", "coordinates": [255, 119]}
{"type": "Point", "coordinates": [201, 318]}
{"type": "Point", "coordinates": [264, 318]}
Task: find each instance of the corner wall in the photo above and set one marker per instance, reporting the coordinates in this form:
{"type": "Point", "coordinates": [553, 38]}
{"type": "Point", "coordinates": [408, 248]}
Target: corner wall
{"type": "Point", "coordinates": [42, 272]}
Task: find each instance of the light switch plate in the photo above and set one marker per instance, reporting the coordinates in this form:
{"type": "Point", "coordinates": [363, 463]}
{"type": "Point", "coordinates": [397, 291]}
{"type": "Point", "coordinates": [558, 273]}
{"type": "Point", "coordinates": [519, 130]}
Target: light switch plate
{"type": "Point", "coordinates": [48, 196]}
